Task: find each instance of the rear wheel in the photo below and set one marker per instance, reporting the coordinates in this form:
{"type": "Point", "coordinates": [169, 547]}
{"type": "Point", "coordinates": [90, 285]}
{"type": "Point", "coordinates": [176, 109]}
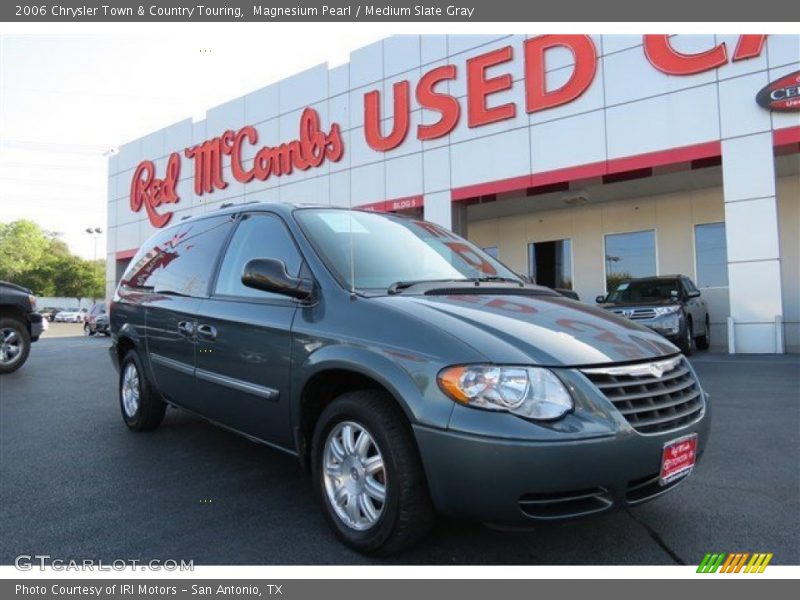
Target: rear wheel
{"type": "Point", "coordinates": [15, 344]}
{"type": "Point", "coordinates": [368, 474]}
{"type": "Point", "coordinates": [704, 341]}
{"type": "Point", "coordinates": [142, 409]}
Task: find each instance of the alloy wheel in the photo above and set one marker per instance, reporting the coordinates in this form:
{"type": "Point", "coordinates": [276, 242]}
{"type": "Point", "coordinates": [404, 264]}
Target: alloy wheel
{"type": "Point", "coordinates": [130, 390]}
{"type": "Point", "coordinates": [10, 346]}
{"type": "Point", "coordinates": [354, 475]}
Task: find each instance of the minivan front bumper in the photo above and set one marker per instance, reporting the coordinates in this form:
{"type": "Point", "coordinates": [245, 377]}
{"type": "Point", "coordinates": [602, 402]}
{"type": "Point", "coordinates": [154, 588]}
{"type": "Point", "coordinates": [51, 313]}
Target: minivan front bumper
{"type": "Point", "coordinates": [516, 482]}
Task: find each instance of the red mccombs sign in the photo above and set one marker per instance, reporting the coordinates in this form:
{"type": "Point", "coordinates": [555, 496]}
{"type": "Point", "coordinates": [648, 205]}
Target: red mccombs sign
{"type": "Point", "coordinates": [313, 146]}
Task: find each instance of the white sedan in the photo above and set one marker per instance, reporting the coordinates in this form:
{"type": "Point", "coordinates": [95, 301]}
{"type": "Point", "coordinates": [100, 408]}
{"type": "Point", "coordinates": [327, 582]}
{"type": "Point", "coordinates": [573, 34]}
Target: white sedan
{"type": "Point", "coordinates": [70, 316]}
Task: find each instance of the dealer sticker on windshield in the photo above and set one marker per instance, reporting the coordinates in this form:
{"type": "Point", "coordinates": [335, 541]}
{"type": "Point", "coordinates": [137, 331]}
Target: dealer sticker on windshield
{"type": "Point", "coordinates": [678, 458]}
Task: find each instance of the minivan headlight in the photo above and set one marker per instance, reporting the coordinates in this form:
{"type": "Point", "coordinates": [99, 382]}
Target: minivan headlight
{"type": "Point", "coordinates": [531, 392]}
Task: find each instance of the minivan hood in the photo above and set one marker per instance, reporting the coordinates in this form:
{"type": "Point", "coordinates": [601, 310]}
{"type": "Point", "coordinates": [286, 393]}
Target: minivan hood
{"type": "Point", "coordinates": [535, 329]}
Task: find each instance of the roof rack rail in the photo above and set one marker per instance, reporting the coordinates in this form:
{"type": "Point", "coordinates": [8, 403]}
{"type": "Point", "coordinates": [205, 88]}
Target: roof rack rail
{"type": "Point", "coordinates": [184, 217]}
{"type": "Point", "coordinates": [226, 205]}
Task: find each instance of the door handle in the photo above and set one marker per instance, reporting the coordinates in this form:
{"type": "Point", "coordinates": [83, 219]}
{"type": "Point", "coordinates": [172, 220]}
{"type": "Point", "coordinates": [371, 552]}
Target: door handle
{"type": "Point", "coordinates": [186, 328]}
{"type": "Point", "coordinates": [207, 332]}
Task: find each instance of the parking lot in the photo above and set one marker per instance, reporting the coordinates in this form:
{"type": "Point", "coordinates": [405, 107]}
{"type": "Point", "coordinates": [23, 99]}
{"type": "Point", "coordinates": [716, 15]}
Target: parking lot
{"type": "Point", "coordinates": [77, 484]}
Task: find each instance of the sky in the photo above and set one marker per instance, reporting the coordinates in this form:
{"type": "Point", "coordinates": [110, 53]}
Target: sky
{"type": "Point", "coordinates": [67, 101]}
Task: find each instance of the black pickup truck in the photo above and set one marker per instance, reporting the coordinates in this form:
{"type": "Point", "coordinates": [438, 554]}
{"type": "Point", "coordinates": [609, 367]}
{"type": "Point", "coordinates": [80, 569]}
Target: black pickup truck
{"type": "Point", "coordinates": [20, 325]}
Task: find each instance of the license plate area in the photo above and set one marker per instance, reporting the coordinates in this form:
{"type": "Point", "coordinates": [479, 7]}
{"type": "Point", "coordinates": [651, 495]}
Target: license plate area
{"type": "Point", "coordinates": [678, 458]}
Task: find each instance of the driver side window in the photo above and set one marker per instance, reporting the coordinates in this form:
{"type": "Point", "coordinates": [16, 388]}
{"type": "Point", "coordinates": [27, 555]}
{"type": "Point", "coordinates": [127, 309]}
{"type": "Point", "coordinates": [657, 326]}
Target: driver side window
{"type": "Point", "coordinates": [257, 236]}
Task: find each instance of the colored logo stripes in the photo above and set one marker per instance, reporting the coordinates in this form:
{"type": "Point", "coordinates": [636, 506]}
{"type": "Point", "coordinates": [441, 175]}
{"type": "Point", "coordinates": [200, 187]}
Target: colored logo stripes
{"type": "Point", "coordinates": [734, 562]}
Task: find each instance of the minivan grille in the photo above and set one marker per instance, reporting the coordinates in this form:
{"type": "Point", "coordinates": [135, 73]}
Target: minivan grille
{"type": "Point", "coordinates": [655, 396]}
{"type": "Point", "coordinates": [636, 313]}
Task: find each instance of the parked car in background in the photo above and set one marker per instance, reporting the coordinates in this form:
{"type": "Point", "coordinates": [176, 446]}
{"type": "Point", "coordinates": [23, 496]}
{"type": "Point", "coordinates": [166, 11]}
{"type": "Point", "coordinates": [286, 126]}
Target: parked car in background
{"type": "Point", "coordinates": [96, 320]}
{"type": "Point", "coordinates": [70, 316]}
{"type": "Point", "coordinates": [20, 325]}
{"type": "Point", "coordinates": [410, 371]}
{"type": "Point", "coordinates": [50, 312]}
{"type": "Point", "coordinates": [668, 304]}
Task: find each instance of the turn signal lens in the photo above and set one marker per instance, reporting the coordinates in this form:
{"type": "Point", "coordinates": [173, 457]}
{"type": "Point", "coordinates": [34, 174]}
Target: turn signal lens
{"type": "Point", "coordinates": [32, 300]}
{"type": "Point", "coordinates": [530, 392]}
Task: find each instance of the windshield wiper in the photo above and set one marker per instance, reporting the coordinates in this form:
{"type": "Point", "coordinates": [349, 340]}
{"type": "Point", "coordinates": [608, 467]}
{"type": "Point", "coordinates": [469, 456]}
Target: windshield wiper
{"type": "Point", "coordinates": [495, 278]}
{"type": "Point", "coordinates": [397, 286]}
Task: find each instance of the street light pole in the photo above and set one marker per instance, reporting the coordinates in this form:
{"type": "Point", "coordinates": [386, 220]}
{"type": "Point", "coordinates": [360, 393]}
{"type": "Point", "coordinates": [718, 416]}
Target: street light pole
{"type": "Point", "coordinates": [95, 233]}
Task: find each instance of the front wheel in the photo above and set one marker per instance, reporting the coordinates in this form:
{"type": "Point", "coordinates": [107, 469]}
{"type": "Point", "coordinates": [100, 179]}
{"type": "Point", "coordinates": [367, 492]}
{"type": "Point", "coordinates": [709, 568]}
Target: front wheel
{"type": "Point", "coordinates": [368, 474]}
{"type": "Point", "coordinates": [142, 409]}
{"type": "Point", "coordinates": [15, 345]}
{"type": "Point", "coordinates": [686, 343]}
{"type": "Point", "coordinates": [704, 341]}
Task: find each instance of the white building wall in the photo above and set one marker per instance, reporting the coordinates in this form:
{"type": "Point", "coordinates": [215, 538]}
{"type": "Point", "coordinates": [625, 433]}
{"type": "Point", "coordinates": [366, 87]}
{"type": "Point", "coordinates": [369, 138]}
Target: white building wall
{"type": "Point", "coordinates": [631, 109]}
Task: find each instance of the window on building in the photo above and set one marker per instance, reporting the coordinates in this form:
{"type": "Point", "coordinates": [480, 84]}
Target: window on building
{"type": "Point", "coordinates": [550, 263]}
{"type": "Point", "coordinates": [711, 255]}
{"type": "Point", "coordinates": [629, 255]}
{"type": "Point", "coordinates": [258, 236]}
{"type": "Point", "coordinates": [491, 251]}
{"type": "Point", "coordinates": [186, 261]}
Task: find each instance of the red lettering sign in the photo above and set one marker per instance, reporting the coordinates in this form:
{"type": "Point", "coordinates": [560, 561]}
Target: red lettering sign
{"type": "Point", "coordinates": [665, 58]}
{"type": "Point", "coordinates": [445, 104]}
{"type": "Point", "coordinates": [537, 96]}
{"type": "Point", "coordinates": [310, 149]}
{"type": "Point", "coordinates": [372, 118]}
{"type": "Point", "coordinates": [480, 87]}
{"type": "Point", "coordinates": [151, 192]}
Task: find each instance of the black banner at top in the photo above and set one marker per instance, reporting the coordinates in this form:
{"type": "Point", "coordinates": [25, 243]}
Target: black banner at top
{"type": "Point", "coordinates": [398, 11]}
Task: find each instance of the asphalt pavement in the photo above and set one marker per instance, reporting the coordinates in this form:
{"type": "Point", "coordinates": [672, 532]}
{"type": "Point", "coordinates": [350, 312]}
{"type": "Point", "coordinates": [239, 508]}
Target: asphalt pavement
{"type": "Point", "coordinates": [76, 484]}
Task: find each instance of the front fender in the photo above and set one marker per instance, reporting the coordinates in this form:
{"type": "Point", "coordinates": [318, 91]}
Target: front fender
{"type": "Point", "coordinates": [409, 378]}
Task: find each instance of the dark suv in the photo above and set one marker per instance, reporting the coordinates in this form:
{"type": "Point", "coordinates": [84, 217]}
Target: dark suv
{"type": "Point", "coordinates": [411, 372]}
{"type": "Point", "coordinates": [668, 304]}
{"type": "Point", "coordinates": [20, 325]}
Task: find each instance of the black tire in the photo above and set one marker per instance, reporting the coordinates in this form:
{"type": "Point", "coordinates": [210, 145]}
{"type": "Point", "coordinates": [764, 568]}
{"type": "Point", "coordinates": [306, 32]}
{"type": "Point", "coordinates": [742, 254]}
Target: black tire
{"type": "Point", "coordinates": [15, 339]}
{"type": "Point", "coordinates": [149, 410]}
{"type": "Point", "coordinates": [686, 343]}
{"type": "Point", "coordinates": [704, 341]}
{"type": "Point", "coordinates": [87, 330]}
{"type": "Point", "coordinates": [407, 514]}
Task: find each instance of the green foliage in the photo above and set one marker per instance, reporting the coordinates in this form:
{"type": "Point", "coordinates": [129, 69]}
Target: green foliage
{"type": "Point", "coordinates": [36, 259]}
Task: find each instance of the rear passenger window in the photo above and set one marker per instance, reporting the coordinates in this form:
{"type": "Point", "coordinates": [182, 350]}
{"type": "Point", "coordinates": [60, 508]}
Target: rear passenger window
{"type": "Point", "coordinates": [258, 236]}
{"type": "Point", "coordinates": [190, 255]}
{"type": "Point", "coordinates": [181, 259]}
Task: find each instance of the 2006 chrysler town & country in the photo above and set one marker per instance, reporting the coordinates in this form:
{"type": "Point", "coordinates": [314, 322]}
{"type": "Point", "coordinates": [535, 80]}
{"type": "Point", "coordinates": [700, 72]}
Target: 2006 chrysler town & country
{"type": "Point", "coordinates": [410, 371]}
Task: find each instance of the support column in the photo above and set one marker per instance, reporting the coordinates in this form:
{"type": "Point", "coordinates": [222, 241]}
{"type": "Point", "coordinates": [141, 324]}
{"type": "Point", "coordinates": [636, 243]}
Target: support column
{"type": "Point", "coordinates": [751, 226]}
{"type": "Point", "coordinates": [439, 209]}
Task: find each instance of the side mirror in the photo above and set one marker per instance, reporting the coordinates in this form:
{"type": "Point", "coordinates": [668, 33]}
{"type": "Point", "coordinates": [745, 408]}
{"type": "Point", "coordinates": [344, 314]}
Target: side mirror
{"type": "Point", "coordinates": [600, 299]}
{"type": "Point", "coordinates": [269, 275]}
{"type": "Point", "coordinates": [694, 294]}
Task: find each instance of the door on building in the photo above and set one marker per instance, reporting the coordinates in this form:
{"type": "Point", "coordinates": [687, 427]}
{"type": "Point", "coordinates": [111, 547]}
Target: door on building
{"type": "Point", "coordinates": [550, 263]}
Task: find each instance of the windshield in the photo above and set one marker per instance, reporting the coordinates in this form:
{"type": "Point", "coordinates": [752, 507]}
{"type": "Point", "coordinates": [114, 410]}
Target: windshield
{"type": "Point", "coordinates": [645, 291]}
{"type": "Point", "coordinates": [373, 251]}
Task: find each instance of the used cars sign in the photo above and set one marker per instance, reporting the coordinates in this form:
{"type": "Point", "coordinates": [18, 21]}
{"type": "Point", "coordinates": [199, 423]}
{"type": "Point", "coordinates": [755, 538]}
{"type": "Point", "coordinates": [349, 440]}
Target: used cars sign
{"type": "Point", "coordinates": [782, 95]}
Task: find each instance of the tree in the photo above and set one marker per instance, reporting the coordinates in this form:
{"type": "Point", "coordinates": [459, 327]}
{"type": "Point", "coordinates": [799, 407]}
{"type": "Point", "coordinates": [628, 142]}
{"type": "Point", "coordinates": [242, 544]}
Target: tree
{"type": "Point", "coordinates": [39, 260]}
{"type": "Point", "coordinates": [22, 245]}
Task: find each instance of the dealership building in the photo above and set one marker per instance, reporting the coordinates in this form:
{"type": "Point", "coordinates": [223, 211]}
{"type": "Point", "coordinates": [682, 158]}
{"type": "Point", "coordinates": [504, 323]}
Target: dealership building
{"type": "Point", "coordinates": [579, 160]}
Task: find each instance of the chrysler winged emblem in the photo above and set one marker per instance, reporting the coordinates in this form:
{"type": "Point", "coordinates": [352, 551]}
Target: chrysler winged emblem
{"type": "Point", "coordinates": [656, 369]}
